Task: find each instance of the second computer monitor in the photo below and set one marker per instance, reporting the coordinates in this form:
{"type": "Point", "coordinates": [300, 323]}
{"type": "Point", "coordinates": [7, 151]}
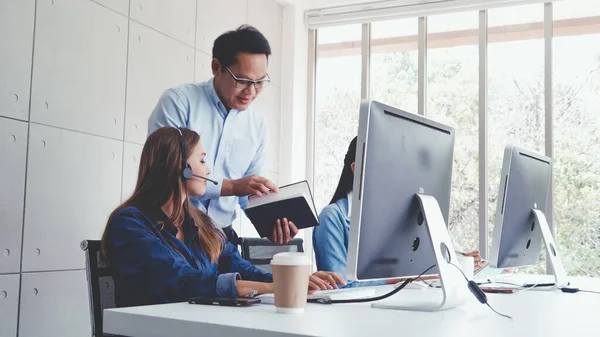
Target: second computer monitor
{"type": "Point", "coordinates": [524, 186]}
{"type": "Point", "coordinates": [399, 155]}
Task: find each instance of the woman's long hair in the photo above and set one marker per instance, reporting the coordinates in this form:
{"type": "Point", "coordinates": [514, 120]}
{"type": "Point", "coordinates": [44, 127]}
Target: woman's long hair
{"type": "Point", "coordinates": [347, 178]}
{"type": "Point", "coordinates": [160, 181]}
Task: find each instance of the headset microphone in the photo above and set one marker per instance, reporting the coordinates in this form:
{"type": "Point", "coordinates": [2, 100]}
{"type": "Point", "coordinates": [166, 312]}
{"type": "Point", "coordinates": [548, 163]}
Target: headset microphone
{"type": "Point", "coordinates": [187, 174]}
{"type": "Point", "coordinates": [187, 169]}
{"type": "Point", "coordinates": [201, 177]}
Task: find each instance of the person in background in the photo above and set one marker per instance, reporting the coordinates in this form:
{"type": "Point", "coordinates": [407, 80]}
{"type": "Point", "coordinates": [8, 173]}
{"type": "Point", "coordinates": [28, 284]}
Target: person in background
{"type": "Point", "coordinates": [161, 249]}
{"type": "Point", "coordinates": [234, 136]}
{"type": "Point", "coordinates": [330, 238]}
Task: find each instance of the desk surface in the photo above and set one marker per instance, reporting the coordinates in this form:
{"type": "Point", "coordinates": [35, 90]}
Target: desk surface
{"type": "Point", "coordinates": [535, 312]}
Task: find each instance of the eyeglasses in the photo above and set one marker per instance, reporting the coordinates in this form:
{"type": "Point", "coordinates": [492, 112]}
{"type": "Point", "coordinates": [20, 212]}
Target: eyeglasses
{"type": "Point", "coordinates": [244, 83]}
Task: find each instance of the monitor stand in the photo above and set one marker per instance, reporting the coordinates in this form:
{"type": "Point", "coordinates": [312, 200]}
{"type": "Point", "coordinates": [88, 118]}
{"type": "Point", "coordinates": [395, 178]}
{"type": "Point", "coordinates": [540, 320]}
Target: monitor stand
{"type": "Point", "coordinates": [454, 286]}
{"type": "Point", "coordinates": [560, 276]}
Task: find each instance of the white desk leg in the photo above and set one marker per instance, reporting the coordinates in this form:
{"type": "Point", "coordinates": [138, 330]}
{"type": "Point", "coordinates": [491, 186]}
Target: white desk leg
{"type": "Point", "coordinates": [454, 285]}
{"type": "Point", "coordinates": [560, 276]}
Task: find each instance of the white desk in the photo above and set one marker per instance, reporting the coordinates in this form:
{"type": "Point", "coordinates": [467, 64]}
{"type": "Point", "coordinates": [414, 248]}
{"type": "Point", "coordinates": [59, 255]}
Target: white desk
{"type": "Point", "coordinates": [535, 313]}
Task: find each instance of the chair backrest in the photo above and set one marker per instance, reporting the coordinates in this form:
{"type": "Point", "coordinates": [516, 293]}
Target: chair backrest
{"type": "Point", "coordinates": [260, 251]}
{"type": "Point", "coordinates": [101, 286]}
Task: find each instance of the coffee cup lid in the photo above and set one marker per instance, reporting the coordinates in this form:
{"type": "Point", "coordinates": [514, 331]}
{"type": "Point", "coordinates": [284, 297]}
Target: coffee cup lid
{"type": "Point", "coordinates": [290, 259]}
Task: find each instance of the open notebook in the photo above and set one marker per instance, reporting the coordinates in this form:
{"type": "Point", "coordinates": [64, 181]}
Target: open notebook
{"type": "Point", "coordinates": [294, 202]}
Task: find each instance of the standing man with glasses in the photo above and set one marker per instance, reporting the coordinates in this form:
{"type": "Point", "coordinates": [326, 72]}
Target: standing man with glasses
{"type": "Point", "coordinates": [235, 138]}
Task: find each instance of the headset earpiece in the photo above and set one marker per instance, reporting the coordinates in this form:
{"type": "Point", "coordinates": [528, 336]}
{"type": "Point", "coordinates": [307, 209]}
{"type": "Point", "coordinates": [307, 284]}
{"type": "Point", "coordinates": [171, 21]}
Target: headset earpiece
{"type": "Point", "coordinates": [187, 172]}
{"type": "Point", "coordinates": [185, 166]}
{"type": "Point", "coordinates": [186, 169]}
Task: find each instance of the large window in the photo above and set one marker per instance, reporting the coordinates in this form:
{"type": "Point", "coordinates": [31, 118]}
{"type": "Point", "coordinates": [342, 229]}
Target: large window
{"type": "Point", "coordinates": [452, 99]}
{"type": "Point", "coordinates": [576, 92]}
{"type": "Point", "coordinates": [337, 102]}
{"type": "Point", "coordinates": [517, 102]}
{"type": "Point", "coordinates": [394, 63]}
{"type": "Point", "coordinates": [516, 106]}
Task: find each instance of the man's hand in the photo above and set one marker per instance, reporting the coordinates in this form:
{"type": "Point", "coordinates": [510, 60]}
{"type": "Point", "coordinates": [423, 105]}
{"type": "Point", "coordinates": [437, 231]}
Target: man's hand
{"type": "Point", "coordinates": [324, 280]}
{"type": "Point", "coordinates": [248, 186]}
{"type": "Point", "coordinates": [283, 231]}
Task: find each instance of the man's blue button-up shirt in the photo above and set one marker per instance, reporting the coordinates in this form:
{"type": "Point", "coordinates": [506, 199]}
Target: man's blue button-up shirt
{"type": "Point", "coordinates": [235, 141]}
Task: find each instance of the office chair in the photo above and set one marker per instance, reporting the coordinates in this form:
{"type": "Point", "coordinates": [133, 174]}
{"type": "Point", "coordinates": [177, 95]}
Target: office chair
{"type": "Point", "coordinates": [101, 286]}
{"type": "Point", "coordinates": [260, 251]}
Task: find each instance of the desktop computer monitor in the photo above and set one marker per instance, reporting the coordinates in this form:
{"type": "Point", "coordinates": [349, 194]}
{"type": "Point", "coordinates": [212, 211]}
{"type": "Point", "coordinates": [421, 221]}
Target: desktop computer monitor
{"type": "Point", "coordinates": [521, 225]}
{"type": "Point", "coordinates": [398, 155]}
{"type": "Point", "coordinates": [524, 185]}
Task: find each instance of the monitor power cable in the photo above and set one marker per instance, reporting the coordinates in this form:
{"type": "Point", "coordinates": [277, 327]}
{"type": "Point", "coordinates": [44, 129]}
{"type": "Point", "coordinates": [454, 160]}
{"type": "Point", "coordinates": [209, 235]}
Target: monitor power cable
{"type": "Point", "coordinates": [328, 300]}
{"type": "Point", "coordinates": [479, 294]}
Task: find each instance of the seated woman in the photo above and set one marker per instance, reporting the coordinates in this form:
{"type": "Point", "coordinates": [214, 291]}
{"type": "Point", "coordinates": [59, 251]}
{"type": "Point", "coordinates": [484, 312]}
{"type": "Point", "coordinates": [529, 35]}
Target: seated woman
{"type": "Point", "coordinates": [163, 250]}
{"type": "Point", "coordinates": [330, 238]}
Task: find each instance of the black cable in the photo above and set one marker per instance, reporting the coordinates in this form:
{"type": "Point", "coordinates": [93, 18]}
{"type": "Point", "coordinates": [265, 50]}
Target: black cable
{"type": "Point", "coordinates": [577, 290]}
{"type": "Point", "coordinates": [328, 300]}
{"type": "Point", "coordinates": [479, 294]}
{"type": "Point", "coordinates": [494, 310]}
{"type": "Point", "coordinates": [538, 285]}
{"type": "Point", "coordinates": [427, 283]}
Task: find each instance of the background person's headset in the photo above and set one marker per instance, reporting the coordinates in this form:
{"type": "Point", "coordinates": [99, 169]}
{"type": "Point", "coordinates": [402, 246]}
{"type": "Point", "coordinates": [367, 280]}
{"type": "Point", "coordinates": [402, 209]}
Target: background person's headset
{"type": "Point", "coordinates": [185, 166]}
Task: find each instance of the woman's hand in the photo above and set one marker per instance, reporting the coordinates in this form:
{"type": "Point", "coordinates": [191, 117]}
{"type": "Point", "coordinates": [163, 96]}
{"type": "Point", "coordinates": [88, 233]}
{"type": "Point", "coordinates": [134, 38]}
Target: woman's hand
{"type": "Point", "coordinates": [477, 260]}
{"type": "Point", "coordinates": [324, 280]}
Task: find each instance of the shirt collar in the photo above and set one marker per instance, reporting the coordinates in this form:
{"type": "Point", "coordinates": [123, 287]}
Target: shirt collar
{"type": "Point", "coordinates": [214, 97]}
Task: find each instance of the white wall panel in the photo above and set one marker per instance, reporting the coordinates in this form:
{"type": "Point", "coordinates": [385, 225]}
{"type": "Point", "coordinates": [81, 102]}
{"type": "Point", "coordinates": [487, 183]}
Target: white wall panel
{"type": "Point", "coordinates": [273, 176]}
{"type": "Point", "coordinates": [131, 164]}
{"type": "Point", "coordinates": [268, 103]}
{"type": "Point", "coordinates": [203, 67]}
{"type": "Point", "coordinates": [121, 6]}
{"type": "Point", "coordinates": [215, 18]}
{"type": "Point", "coordinates": [9, 304]}
{"type": "Point", "coordinates": [16, 41]}
{"type": "Point", "coordinates": [73, 183]}
{"type": "Point", "coordinates": [13, 150]}
{"type": "Point", "coordinates": [54, 304]}
{"type": "Point", "coordinates": [156, 63]}
{"type": "Point", "coordinates": [79, 68]}
{"type": "Point", "coordinates": [267, 16]}
{"type": "Point", "coordinates": [174, 18]}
